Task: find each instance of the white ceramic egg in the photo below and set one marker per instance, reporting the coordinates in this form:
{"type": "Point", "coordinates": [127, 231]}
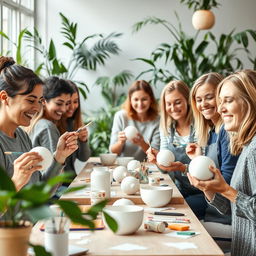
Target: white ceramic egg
{"type": "Point", "coordinates": [130, 132]}
{"type": "Point", "coordinates": [123, 201]}
{"type": "Point", "coordinates": [199, 167]}
{"type": "Point", "coordinates": [165, 157]}
{"type": "Point", "coordinates": [119, 173]}
{"type": "Point", "coordinates": [133, 164]}
{"type": "Point", "coordinates": [130, 185]}
{"type": "Point", "coordinates": [46, 154]}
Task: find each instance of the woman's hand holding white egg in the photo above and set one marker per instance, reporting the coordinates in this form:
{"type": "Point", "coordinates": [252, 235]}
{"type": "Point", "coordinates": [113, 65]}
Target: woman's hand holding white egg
{"type": "Point", "coordinates": [67, 144]}
{"type": "Point", "coordinates": [215, 185]}
{"type": "Point", "coordinates": [24, 166]}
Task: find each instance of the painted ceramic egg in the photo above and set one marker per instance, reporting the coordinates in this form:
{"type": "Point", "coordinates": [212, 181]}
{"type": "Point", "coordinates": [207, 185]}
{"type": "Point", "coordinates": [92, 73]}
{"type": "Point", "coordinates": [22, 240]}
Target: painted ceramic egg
{"type": "Point", "coordinates": [119, 173]}
{"type": "Point", "coordinates": [46, 154]}
{"type": "Point", "coordinates": [123, 201]}
{"type": "Point", "coordinates": [133, 164]}
{"type": "Point", "coordinates": [199, 167]}
{"type": "Point", "coordinates": [165, 157]}
{"type": "Point", "coordinates": [130, 132]}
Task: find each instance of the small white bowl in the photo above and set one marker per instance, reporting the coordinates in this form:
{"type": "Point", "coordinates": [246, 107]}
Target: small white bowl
{"type": "Point", "coordinates": [155, 196]}
{"type": "Point", "coordinates": [128, 217]}
{"type": "Point", "coordinates": [108, 158]}
{"type": "Point", "coordinates": [124, 160]}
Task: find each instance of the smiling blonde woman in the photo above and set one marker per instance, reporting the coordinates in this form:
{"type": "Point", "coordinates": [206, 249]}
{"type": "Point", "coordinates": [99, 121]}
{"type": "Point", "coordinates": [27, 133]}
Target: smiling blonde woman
{"type": "Point", "coordinates": [237, 106]}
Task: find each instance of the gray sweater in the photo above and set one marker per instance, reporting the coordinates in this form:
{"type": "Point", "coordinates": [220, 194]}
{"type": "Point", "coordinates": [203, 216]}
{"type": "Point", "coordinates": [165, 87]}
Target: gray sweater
{"type": "Point", "coordinates": [244, 209]}
{"type": "Point", "coordinates": [149, 130]}
{"type": "Point", "coordinates": [22, 143]}
{"type": "Point", "coordinates": [45, 134]}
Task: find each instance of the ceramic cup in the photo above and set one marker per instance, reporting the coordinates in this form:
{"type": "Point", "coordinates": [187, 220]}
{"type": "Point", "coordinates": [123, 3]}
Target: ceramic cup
{"type": "Point", "coordinates": [56, 236]}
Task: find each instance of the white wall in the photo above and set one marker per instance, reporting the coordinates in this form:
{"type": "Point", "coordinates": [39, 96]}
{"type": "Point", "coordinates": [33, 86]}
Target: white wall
{"type": "Point", "coordinates": [105, 16]}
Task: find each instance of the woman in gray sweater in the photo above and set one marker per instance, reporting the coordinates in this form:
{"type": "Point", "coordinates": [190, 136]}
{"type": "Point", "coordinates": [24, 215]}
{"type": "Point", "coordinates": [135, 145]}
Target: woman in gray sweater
{"type": "Point", "coordinates": [237, 106]}
{"type": "Point", "coordinates": [141, 111]}
{"type": "Point", "coordinates": [21, 95]}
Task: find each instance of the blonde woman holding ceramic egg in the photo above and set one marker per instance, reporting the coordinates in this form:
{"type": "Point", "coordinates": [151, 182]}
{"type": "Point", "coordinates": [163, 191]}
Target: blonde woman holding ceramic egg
{"type": "Point", "coordinates": [176, 131]}
{"type": "Point", "coordinates": [21, 95]}
{"type": "Point", "coordinates": [212, 139]}
{"type": "Point", "coordinates": [237, 106]}
{"type": "Point", "coordinates": [140, 110]}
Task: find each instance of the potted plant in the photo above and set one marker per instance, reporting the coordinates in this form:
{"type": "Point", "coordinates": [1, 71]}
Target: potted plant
{"type": "Point", "coordinates": [20, 209]}
{"type": "Point", "coordinates": [203, 17]}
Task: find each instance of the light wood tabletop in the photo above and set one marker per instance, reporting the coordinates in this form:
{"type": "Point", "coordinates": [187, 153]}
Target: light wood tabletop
{"type": "Point", "coordinates": [83, 196]}
{"type": "Point", "coordinates": [141, 243]}
{"type": "Point", "coordinates": [105, 243]}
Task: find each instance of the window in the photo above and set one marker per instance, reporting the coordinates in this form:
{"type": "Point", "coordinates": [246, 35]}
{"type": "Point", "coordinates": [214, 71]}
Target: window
{"type": "Point", "coordinates": [15, 15]}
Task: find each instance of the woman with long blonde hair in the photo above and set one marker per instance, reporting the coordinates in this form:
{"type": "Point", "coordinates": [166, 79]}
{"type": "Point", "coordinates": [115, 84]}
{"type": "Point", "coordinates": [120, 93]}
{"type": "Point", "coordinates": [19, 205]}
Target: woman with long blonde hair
{"type": "Point", "coordinates": [237, 106]}
{"type": "Point", "coordinates": [213, 140]}
{"type": "Point", "coordinates": [176, 131]}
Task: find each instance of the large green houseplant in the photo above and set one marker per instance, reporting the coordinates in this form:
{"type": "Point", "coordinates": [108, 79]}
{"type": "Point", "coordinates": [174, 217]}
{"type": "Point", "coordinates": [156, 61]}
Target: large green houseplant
{"type": "Point", "coordinates": [20, 209]}
{"type": "Point", "coordinates": [82, 56]}
{"type": "Point", "coordinates": [188, 57]}
{"type": "Point", "coordinates": [92, 51]}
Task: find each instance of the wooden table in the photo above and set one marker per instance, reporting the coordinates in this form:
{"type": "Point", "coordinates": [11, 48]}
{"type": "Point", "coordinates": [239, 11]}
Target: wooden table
{"type": "Point", "coordinates": [101, 242]}
{"type": "Point", "coordinates": [116, 193]}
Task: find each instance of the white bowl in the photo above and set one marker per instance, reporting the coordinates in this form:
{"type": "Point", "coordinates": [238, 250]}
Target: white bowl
{"type": "Point", "coordinates": [156, 196]}
{"type": "Point", "coordinates": [128, 217]}
{"type": "Point", "coordinates": [108, 158]}
{"type": "Point", "coordinates": [124, 160]}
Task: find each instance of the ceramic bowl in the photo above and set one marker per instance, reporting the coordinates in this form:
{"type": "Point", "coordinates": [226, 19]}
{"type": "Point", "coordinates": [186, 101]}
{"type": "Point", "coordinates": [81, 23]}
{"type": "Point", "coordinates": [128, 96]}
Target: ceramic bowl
{"type": "Point", "coordinates": [155, 196]}
{"type": "Point", "coordinates": [108, 158]}
{"type": "Point", "coordinates": [124, 160]}
{"type": "Point", "coordinates": [128, 217]}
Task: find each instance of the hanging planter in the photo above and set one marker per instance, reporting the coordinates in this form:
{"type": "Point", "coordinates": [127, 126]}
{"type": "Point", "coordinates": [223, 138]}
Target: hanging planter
{"type": "Point", "coordinates": [203, 19]}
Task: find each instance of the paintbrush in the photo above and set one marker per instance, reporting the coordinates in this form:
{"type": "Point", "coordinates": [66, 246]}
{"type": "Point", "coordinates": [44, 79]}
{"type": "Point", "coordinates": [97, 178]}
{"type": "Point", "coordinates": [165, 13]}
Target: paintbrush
{"type": "Point", "coordinates": [81, 128]}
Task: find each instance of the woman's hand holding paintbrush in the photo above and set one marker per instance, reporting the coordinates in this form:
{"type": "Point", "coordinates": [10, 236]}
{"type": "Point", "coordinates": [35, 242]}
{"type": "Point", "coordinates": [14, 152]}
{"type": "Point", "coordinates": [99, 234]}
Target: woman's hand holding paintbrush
{"type": "Point", "coordinates": [83, 132]}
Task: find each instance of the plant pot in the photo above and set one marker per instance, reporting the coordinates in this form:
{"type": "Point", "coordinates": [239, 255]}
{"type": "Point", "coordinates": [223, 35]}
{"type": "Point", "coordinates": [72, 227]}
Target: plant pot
{"type": "Point", "coordinates": [203, 19]}
{"type": "Point", "coordinates": [14, 241]}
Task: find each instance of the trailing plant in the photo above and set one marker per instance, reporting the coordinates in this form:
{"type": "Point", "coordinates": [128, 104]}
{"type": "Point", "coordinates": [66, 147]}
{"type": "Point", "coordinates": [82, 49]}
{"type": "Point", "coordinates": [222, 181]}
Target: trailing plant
{"type": "Point", "coordinates": [81, 55]}
{"type": "Point", "coordinates": [200, 4]}
{"type": "Point", "coordinates": [190, 56]}
{"type": "Point", "coordinates": [102, 125]}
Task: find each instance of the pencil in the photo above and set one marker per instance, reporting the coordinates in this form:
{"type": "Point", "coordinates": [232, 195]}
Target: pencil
{"type": "Point", "coordinates": [13, 153]}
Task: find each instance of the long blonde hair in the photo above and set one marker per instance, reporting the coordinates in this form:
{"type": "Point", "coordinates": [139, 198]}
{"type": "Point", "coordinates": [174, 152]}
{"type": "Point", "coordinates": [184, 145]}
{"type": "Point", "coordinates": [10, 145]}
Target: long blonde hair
{"type": "Point", "coordinates": [166, 120]}
{"type": "Point", "coordinates": [245, 83]}
{"type": "Point", "coordinates": [202, 125]}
